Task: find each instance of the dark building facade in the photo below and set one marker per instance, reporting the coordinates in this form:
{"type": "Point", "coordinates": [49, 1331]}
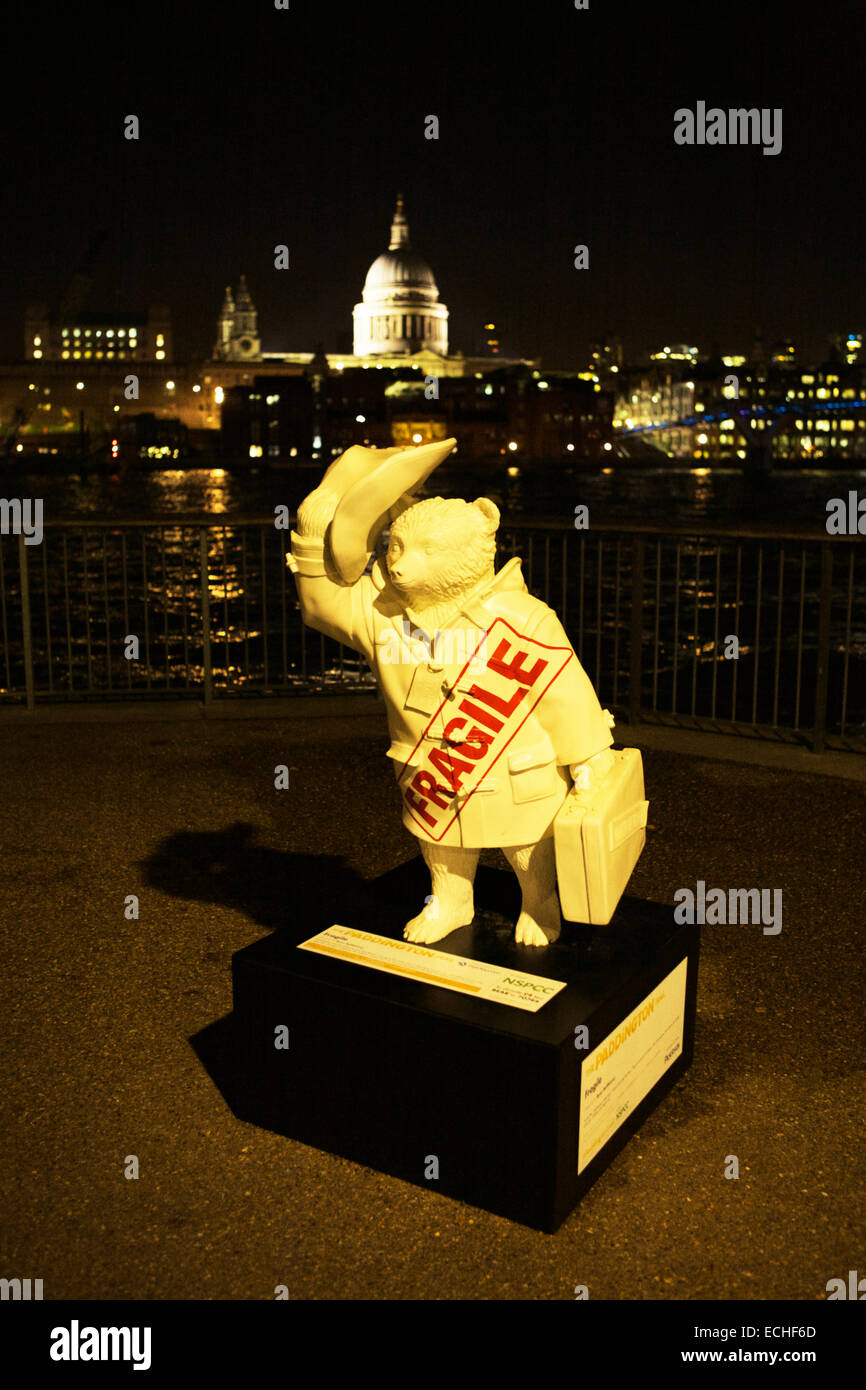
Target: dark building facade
{"type": "Point", "coordinates": [510, 410]}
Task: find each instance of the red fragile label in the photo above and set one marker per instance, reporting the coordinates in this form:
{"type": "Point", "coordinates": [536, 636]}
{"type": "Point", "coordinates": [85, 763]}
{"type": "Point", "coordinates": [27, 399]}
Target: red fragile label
{"type": "Point", "coordinates": [478, 718]}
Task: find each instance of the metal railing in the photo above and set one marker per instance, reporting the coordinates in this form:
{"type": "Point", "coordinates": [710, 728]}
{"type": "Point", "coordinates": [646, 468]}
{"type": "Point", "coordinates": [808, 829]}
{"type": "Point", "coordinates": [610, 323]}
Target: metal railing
{"type": "Point", "coordinates": [196, 607]}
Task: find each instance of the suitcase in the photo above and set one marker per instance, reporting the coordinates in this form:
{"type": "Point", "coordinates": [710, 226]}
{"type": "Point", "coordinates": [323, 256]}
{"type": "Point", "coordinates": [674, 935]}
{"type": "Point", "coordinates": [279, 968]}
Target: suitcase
{"type": "Point", "coordinates": [598, 837]}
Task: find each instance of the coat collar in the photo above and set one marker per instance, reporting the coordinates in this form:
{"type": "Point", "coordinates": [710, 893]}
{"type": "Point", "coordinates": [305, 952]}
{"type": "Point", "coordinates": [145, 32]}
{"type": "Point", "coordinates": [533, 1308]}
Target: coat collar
{"type": "Point", "coordinates": [473, 606]}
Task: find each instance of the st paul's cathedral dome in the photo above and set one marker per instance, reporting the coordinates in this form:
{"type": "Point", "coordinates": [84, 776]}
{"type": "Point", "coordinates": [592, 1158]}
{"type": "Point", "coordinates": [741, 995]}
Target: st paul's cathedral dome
{"type": "Point", "coordinates": [400, 310]}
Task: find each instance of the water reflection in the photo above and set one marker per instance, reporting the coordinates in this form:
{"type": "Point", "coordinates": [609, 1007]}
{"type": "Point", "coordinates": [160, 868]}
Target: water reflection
{"type": "Point", "coordinates": [662, 494]}
{"type": "Point", "coordinates": [212, 490]}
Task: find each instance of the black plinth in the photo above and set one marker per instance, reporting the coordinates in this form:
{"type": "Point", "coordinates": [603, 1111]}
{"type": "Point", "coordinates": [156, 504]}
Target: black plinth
{"type": "Point", "coordinates": [390, 1071]}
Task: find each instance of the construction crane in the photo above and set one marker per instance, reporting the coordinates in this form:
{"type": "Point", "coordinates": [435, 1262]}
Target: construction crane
{"type": "Point", "coordinates": [79, 286]}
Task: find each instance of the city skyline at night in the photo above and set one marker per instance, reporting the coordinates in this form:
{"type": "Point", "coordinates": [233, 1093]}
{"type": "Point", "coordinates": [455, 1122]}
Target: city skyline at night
{"type": "Point", "coordinates": [287, 138]}
{"type": "Point", "coordinates": [433, 671]}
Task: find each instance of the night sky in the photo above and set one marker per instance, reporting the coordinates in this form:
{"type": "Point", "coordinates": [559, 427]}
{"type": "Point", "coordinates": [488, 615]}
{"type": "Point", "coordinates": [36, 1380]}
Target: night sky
{"type": "Point", "coordinates": [261, 126]}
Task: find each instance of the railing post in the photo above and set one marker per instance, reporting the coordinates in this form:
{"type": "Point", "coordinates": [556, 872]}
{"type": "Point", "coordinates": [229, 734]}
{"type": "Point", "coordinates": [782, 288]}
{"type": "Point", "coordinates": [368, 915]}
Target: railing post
{"type": "Point", "coordinates": [205, 616]}
{"type": "Point", "coordinates": [636, 652]}
{"type": "Point", "coordinates": [25, 623]}
{"type": "Point", "coordinates": [822, 659]}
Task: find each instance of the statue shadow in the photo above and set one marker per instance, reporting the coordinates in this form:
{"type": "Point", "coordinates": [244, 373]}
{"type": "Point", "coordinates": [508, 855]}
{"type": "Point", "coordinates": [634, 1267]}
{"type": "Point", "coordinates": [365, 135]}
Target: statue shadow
{"type": "Point", "coordinates": [268, 886]}
{"type": "Point", "coordinates": [299, 895]}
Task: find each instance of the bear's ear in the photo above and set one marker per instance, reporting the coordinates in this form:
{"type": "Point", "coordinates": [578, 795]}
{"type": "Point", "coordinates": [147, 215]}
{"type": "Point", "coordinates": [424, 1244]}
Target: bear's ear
{"type": "Point", "coordinates": [489, 511]}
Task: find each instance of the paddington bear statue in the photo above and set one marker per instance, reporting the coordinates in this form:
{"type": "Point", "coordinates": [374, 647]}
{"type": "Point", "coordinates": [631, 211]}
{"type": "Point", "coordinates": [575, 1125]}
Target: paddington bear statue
{"type": "Point", "coordinates": [492, 719]}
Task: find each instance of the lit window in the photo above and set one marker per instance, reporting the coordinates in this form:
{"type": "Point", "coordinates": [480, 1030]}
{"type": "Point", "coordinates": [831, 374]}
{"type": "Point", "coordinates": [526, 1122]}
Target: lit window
{"type": "Point", "coordinates": [218, 395]}
{"type": "Point", "coordinates": [37, 342]}
{"type": "Point", "coordinates": [109, 354]}
{"type": "Point", "coordinates": [88, 353]}
{"type": "Point", "coordinates": [169, 386]}
{"type": "Point", "coordinates": [37, 352]}
{"type": "Point", "coordinates": [65, 332]}
{"type": "Point", "coordinates": [99, 332]}
{"type": "Point", "coordinates": [160, 340]}
{"type": "Point", "coordinates": [159, 356]}
{"type": "Point", "coordinates": [79, 385]}
{"type": "Point", "coordinates": [99, 352]}
{"type": "Point", "coordinates": [196, 388]}
{"type": "Point", "coordinates": [109, 332]}
{"type": "Point", "coordinates": [87, 333]}
{"type": "Point", "coordinates": [76, 332]}
{"type": "Point", "coordinates": [121, 332]}
{"type": "Point", "coordinates": [65, 352]}
{"type": "Point", "coordinates": [76, 354]}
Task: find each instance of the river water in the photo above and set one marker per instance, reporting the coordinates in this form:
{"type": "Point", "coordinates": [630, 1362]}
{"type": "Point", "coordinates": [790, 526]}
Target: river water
{"type": "Point", "coordinates": [90, 589]}
{"type": "Point", "coordinates": [669, 494]}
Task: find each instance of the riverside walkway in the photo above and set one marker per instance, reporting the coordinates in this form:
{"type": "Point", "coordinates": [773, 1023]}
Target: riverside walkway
{"type": "Point", "coordinates": [106, 1019]}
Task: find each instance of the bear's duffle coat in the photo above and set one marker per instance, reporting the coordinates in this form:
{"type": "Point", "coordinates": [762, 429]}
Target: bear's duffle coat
{"type": "Point", "coordinates": [425, 686]}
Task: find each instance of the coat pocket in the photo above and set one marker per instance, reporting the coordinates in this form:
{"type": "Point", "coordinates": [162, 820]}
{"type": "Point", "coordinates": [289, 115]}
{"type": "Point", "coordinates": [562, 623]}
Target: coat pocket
{"type": "Point", "coordinates": [532, 772]}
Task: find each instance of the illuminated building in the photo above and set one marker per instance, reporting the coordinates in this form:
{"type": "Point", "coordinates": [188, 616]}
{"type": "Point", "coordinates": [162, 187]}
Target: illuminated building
{"type": "Point", "coordinates": [784, 353]}
{"type": "Point", "coordinates": [237, 330]}
{"type": "Point", "coordinates": [491, 343]}
{"type": "Point", "coordinates": [399, 310]}
{"type": "Point", "coordinates": [678, 352]}
{"type": "Point", "coordinates": [399, 322]}
{"type": "Point", "coordinates": [99, 336]}
{"type": "Point", "coordinates": [849, 346]}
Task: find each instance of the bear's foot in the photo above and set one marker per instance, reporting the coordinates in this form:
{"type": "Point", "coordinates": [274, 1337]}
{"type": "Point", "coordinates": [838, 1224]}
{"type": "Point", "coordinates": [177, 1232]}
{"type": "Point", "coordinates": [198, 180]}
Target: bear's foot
{"type": "Point", "coordinates": [438, 919]}
{"type": "Point", "coordinates": [528, 932]}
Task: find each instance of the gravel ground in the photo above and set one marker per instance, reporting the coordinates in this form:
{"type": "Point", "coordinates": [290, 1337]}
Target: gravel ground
{"type": "Point", "coordinates": [99, 1010]}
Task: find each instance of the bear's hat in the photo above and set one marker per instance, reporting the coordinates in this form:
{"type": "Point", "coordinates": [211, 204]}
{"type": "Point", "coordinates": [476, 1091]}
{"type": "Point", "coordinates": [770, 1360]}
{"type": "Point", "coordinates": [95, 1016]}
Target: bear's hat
{"type": "Point", "coordinates": [364, 507]}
